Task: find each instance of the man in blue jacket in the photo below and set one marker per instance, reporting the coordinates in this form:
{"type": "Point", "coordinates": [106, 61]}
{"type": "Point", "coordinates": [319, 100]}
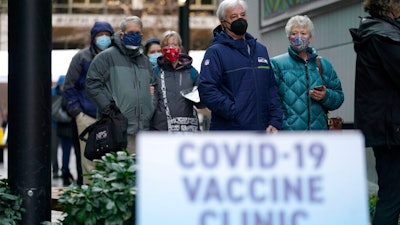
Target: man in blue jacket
{"type": "Point", "coordinates": [236, 81]}
{"type": "Point", "coordinates": [79, 105]}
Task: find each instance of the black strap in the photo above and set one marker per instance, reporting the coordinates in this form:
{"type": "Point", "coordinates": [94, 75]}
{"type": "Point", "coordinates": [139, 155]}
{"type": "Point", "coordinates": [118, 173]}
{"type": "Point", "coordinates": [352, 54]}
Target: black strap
{"type": "Point", "coordinates": [113, 110]}
{"type": "Point", "coordinates": [318, 59]}
{"type": "Point", "coordinates": [87, 130]}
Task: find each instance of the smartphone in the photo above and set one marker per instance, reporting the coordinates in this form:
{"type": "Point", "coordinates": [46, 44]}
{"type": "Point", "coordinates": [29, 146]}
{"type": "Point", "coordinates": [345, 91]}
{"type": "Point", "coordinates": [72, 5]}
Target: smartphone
{"type": "Point", "coordinates": [319, 88]}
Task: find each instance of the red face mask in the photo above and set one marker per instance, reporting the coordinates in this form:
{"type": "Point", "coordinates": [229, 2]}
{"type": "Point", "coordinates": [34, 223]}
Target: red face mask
{"type": "Point", "coordinates": [171, 54]}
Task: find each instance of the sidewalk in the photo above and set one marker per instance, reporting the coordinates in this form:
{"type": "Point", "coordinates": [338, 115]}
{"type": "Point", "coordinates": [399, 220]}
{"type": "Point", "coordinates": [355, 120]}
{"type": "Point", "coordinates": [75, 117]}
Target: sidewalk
{"type": "Point", "coordinates": [55, 215]}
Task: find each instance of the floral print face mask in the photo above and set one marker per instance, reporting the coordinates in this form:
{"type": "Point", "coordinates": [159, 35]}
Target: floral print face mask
{"type": "Point", "coordinates": [299, 43]}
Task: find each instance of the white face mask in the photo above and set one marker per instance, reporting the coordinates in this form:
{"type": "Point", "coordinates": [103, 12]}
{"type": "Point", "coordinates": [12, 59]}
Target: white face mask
{"type": "Point", "coordinates": [132, 47]}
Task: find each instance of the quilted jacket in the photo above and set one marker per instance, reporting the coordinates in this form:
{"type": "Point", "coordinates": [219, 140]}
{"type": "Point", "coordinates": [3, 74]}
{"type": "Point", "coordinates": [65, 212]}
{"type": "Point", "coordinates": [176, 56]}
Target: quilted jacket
{"type": "Point", "coordinates": [295, 77]}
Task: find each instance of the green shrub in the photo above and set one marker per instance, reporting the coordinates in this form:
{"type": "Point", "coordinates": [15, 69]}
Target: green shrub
{"type": "Point", "coordinates": [10, 205]}
{"type": "Point", "coordinates": [372, 207]}
{"type": "Point", "coordinates": [111, 197]}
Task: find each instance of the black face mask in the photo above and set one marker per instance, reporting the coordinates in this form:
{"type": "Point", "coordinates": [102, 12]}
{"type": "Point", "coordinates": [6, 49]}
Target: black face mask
{"type": "Point", "coordinates": [239, 26]}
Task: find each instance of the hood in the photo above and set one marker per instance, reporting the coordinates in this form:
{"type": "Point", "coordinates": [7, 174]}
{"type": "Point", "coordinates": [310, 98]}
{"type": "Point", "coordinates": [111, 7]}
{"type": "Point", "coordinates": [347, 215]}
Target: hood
{"type": "Point", "coordinates": [125, 51]}
{"type": "Point", "coordinates": [369, 26]}
{"type": "Point", "coordinates": [221, 37]}
{"type": "Point", "coordinates": [185, 61]}
{"type": "Point", "coordinates": [99, 27]}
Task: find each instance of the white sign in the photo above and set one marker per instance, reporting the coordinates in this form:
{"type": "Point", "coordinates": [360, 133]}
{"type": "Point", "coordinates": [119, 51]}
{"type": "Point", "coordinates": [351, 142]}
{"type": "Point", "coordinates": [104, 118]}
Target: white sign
{"type": "Point", "coordinates": [60, 60]}
{"type": "Point", "coordinates": [235, 178]}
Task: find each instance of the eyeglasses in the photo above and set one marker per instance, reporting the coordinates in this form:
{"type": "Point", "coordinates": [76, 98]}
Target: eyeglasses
{"type": "Point", "coordinates": [171, 46]}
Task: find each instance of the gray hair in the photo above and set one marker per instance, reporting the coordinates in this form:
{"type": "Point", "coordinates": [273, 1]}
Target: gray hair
{"type": "Point", "coordinates": [133, 19]}
{"type": "Point", "coordinates": [168, 34]}
{"type": "Point", "coordinates": [229, 4]}
{"type": "Point", "coordinates": [302, 21]}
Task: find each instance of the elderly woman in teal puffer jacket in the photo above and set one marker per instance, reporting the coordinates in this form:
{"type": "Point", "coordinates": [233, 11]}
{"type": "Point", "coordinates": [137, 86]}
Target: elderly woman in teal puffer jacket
{"type": "Point", "coordinates": [306, 95]}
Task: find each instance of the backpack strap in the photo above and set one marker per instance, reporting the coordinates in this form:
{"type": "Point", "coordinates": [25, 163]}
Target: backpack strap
{"type": "Point", "coordinates": [318, 60]}
{"type": "Point", "coordinates": [86, 131]}
{"type": "Point", "coordinates": [193, 74]}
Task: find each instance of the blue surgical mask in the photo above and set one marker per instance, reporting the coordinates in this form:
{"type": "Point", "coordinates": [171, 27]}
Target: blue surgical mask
{"type": "Point", "coordinates": [103, 42]}
{"type": "Point", "coordinates": [153, 58]}
{"type": "Point", "coordinates": [132, 40]}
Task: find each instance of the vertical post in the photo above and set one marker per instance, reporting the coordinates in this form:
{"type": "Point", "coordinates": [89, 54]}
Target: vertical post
{"type": "Point", "coordinates": [29, 97]}
{"type": "Point", "coordinates": [184, 11]}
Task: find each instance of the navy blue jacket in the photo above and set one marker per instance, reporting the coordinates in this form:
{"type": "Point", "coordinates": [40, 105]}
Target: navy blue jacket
{"type": "Point", "coordinates": [74, 87]}
{"type": "Point", "coordinates": [238, 84]}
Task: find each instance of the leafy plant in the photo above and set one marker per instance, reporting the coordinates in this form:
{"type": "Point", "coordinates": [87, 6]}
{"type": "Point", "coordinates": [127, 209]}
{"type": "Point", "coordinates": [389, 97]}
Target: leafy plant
{"type": "Point", "coordinates": [10, 205]}
{"type": "Point", "coordinates": [372, 207]}
{"type": "Point", "coordinates": [111, 197]}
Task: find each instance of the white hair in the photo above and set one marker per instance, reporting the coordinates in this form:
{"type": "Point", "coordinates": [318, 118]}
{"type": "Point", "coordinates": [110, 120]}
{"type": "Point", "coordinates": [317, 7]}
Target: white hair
{"type": "Point", "coordinates": [228, 4]}
{"type": "Point", "coordinates": [302, 21]}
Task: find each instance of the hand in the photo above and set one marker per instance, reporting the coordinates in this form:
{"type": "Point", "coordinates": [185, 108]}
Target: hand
{"type": "Point", "coordinates": [318, 95]}
{"type": "Point", "coordinates": [151, 90]}
{"type": "Point", "coordinates": [271, 129]}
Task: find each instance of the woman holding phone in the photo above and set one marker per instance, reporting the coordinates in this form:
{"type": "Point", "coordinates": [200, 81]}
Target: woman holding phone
{"type": "Point", "coordinates": [307, 83]}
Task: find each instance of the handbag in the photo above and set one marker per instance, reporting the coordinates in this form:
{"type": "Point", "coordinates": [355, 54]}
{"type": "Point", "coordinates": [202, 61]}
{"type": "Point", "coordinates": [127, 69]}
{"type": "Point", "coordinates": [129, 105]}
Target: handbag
{"type": "Point", "coordinates": [334, 123]}
{"type": "Point", "coordinates": [57, 111]}
{"type": "Point", "coordinates": [109, 134]}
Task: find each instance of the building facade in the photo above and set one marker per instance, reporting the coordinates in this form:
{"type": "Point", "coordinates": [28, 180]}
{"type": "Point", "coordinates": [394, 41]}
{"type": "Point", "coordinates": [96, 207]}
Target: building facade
{"type": "Point", "coordinates": [72, 19]}
{"type": "Point", "coordinates": [332, 19]}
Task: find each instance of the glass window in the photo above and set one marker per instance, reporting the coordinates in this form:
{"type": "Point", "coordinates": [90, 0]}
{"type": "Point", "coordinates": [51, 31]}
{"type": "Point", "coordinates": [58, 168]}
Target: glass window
{"type": "Point", "coordinates": [60, 1]}
{"type": "Point", "coordinates": [206, 2]}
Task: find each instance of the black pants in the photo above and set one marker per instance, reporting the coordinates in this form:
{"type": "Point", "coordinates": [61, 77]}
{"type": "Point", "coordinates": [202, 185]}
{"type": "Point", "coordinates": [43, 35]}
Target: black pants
{"type": "Point", "coordinates": [77, 148]}
{"type": "Point", "coordinates": [388, 170]}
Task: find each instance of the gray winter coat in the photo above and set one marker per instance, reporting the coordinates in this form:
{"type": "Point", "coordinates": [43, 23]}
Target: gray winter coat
{"type": "Point", "coordinates": [125, 76]}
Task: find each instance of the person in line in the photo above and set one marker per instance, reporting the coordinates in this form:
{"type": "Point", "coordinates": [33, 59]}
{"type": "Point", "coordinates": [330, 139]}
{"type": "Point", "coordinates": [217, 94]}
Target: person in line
{"type": "Point", "coordinates": [175, 74]}
{"type": "Point", "coordinates": [306, 95]}
{"type": "Point", "coordinates": [377, 99]}
{"type": "Point", "coordinates": [79, 106]}
{"type": "Point", "coordinates": [54, 138]}
{"type": "Point", "coordinates": [123, 74]}
{"type": "Point", "coordinates": [236, 80]}
{"type": "Point", "coordinates": [63, 130]}
{"type": "Point", "coordinates": [152, 49]}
